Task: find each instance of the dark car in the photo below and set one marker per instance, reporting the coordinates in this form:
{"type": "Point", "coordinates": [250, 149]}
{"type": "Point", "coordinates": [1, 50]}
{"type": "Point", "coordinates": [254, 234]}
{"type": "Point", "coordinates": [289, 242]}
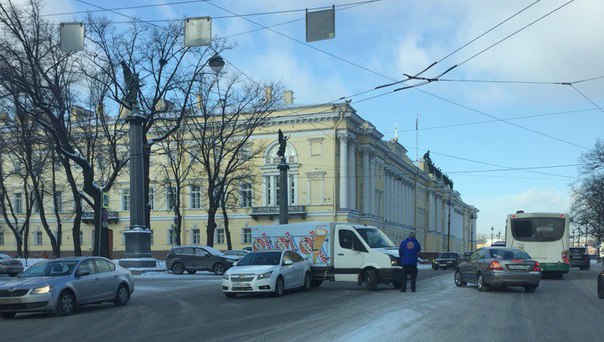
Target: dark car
{"type": "Point", "coordinates": [497, 267]}
{"type": "Point", "coordinates": [445, 260]}
{"type": "Point", "coordinates": [601, 285]}
{"type": "Point", "coordinates": [465, 256]}
{"type": "Point", "coordinates": [578, 257]}
{"type": "Point", "coordinates": [10, 266]}
{"type": "Point", "coordinates": [198, 258]}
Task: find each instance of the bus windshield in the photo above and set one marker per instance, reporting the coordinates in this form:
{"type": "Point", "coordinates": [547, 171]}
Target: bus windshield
{"type": "Point", "coordinates": [538, 229]}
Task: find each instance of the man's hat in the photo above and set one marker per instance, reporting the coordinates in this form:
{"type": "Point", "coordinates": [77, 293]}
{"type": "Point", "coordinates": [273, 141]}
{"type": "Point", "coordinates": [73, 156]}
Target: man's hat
{"type": "Point", "coordinates": [412, 234]}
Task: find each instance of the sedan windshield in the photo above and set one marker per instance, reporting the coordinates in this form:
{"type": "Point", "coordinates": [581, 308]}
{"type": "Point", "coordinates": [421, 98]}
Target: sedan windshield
{"type": "Point", "coordinates": [262, 258]}
{"type": "Point", "coordinates": [447, 256]}
{"type": "Point", "coordinates": [50, 269]}
{"type": "Point", "coordinates": [374, 237]}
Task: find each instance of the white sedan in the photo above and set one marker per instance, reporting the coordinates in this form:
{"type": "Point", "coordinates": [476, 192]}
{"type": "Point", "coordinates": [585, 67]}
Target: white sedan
{"type": "Point", "coordinates": [268, 271]}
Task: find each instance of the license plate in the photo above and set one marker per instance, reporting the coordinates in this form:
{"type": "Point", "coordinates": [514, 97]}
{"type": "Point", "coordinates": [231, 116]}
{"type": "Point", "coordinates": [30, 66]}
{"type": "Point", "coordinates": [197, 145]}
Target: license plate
{"type": "Point", "coordinates": [10, 300]}
{"type": "Point", "coordinates": [242, 289]}
{"type": "Point", "coordinates": [517, 267]}
{"type": "Point", "coordinates": [442, 264]}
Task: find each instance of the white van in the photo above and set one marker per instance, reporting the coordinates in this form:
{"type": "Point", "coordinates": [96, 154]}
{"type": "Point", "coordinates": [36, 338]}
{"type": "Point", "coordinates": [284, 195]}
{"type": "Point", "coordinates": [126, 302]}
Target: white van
{"type": "Point", "coordinates": [336, 251]}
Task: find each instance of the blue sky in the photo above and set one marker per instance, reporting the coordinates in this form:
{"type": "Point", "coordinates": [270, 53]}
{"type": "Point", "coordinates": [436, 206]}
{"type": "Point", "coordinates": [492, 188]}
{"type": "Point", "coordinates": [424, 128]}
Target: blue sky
{"type": "Point", "coordinates": [530, 125]}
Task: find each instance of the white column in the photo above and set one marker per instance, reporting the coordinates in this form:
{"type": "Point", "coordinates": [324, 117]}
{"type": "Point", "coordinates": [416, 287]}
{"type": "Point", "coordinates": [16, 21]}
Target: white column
{"type": "Point", "coordinates": [366, 209]}
{"type": "Point", "coordinates": [398, 203]}
{"type": "Point", "coordinates": [372, 175]}
{"type": "Point", "coordinates": [352, 173]}
{"type": "Point", "coordinates": [389, 197]}
{"type": "Point", "coordinates": [343, 171]}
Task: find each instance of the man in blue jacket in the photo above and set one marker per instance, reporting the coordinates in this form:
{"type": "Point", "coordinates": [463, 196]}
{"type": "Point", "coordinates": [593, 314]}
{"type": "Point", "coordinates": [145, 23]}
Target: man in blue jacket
{"type": "Point", "coordinates": [408, 251]}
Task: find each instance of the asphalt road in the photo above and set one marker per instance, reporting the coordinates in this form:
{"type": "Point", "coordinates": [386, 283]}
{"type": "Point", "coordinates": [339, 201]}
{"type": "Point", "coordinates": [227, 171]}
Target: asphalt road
{"type": "Point", "coordinates": [193, 308]}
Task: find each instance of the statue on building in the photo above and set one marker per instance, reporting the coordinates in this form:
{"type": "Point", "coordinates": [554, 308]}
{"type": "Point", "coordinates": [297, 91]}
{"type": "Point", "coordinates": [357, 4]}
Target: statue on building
{"type": "Point", "coordinates": [427, 155]}
{"type": "Point", "coordinates": [282, 144]}
{"type": "Point", "coordinates": [132, 86]}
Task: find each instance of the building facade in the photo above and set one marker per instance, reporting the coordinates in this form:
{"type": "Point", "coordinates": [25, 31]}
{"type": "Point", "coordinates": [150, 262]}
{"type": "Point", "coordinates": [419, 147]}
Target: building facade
{"type": "Point", "coordinates": [341, 170]}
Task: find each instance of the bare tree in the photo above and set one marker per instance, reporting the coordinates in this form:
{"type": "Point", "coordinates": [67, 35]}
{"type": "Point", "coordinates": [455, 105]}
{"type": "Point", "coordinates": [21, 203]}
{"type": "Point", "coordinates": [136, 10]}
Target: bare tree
{"type": "Point", "coordinates": [43, 80]}
{"type": "Point", "coordinates": [226, 119]}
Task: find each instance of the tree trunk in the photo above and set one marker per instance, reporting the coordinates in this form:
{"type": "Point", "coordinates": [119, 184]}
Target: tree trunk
{"type": "Point", "coordinates": [227, 232]}
{"type": "Point", "coordinates": [211, 228]}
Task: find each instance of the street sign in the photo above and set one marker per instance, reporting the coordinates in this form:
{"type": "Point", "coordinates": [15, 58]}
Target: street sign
{"type": "Point", "coordinates": [198, 31]}
{"type": "Point", "coordinates": [72, 36]}
{"type": "Point", "coordinates": [105, 200]}
{"type": "Point", "coordinates": [320, 25]}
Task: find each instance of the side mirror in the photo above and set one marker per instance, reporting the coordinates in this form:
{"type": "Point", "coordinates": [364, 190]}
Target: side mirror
{"type": "Point", "coordinates": [82, 273]}
{"type": "Point", "coordinates": [235, 263]}
{"type": "Point", "coordinates": [287, 262]}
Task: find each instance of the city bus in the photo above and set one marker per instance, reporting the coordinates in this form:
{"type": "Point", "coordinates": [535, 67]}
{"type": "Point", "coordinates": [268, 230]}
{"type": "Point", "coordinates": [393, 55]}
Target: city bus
{"type": "Point", "coordinates": [544, 236]}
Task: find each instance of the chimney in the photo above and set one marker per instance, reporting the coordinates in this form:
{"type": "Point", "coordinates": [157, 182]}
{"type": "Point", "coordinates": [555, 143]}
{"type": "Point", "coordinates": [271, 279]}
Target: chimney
{"type": "Point", "coordinates": [268, 93]}
{"type": "Point", "coordinates": [288, 97]}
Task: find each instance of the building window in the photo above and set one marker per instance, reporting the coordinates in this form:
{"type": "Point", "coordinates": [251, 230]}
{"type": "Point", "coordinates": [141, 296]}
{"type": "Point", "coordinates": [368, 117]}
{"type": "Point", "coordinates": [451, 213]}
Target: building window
{"type": "Point", "coordinates": [171, 236]}
{"type": "Point", "coordinates": [316, 145]}
{"type": "Point", "coordinates": [272, 190]}
{"type": "Point", "coordinates": [18, 202]}
{"type": "Point", "coordinates": [245, 190]}
{"type": "Point", "coordinates": [17, 166]}
{"type": "Point", "coordinates": [195, 197]}
{"type": "Point", "coordinates": [125, 199]}
{"type": "Point", "coordinates": [38, 238]}
{"type": "Point", "coordinates": [247, 235]}
{"type": "Point", "coordinates": [219, 235]}
{"type": "Point", "coordinates": [35, 205]}
{"type": "Point", "coordinates": [195, 237]}
{"type": "Point", "coordinates": [170, 198]}
{"type": "Point", "coordinates": [1, 238]}
{"type": "Point", "coordinates": [152, 198]}
{"type": "Point", "coordinates": [59, 201]}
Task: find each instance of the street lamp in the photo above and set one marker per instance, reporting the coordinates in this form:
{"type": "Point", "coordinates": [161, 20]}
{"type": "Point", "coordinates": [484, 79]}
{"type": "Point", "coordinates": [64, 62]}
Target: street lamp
{"type": "Point", "coordinates": [216, 63]}
{"type": "Point", "coordinates": [492, 229]}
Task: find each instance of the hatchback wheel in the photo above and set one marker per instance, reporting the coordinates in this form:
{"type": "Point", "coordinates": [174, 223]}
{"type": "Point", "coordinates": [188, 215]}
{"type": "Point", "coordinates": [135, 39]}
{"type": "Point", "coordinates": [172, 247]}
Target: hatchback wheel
{"type": "Point", "coordinates": [482, 287]}
{"type": "Point", "coordinates": [601, 287]}
{"type": "Point", "coordinates": [123, 296]}
{"type": "Point", "coordinates": [307, 281]}
{"type": "Point", "coordinates": [458, 281]}
{"type": "Point", "coordinates": [279, 287]}
{"type": "Point", "coordinates": [218, 269]}
{"type": "Point", "coordinates": [66, 304]}
{"type": "Point", "coordinates": [178, 268]}
{"type": "Point", "coordinates": [7, 315]}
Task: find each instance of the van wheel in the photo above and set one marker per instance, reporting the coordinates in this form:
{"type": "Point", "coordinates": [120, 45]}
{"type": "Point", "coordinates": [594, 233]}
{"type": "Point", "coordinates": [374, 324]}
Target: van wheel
{"type": "Point", "coordinates": [178, 268]}
{"type": "Point", "coordinates": [370, 280]}
{"type": "Point", "coordinates": [482, 287]}
{"type": "Point", "coordinates": [307, 282]}
{"type": "Point", "coordinates": [218, 269]}
{"type": "Point", "coordinates": [66, 304]}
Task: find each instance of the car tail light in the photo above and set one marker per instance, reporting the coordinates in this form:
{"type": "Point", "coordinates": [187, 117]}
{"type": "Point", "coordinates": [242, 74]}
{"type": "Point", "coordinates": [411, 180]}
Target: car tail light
{"type": "Point", "coordinates": [565, 257]}
{"type": "Point", "coordinates": [536, 267]}
{"type": "Point", "coordinates": [495, 266]}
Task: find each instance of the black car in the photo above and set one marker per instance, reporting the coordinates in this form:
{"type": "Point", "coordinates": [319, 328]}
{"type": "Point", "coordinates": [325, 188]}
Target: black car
{"type": "Point", "coordinates": [465, 256]}
{"type": "Point", "coordinates": [445, 260]}
{"type": "Point", "coordinates": [197, 258]}
{"type": "Point", "coordinates": [601, 285]}
{"type": "Point", "coordinates": [578, 257]}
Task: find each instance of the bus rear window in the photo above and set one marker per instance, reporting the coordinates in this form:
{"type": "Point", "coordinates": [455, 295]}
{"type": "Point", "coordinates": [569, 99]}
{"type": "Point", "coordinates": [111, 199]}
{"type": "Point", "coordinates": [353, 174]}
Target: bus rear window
{"type": "Point", "coordinates": [541, 229]}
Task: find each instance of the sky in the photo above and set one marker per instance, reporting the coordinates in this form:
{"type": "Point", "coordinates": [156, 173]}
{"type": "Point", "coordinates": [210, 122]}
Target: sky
{"type": "Point", "coordinates": [478, 133]}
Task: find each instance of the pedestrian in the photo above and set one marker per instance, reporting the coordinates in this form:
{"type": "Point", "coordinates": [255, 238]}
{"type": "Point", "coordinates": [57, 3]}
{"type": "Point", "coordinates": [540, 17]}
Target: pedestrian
{"type": "Point", "coordinates": [408, 251]}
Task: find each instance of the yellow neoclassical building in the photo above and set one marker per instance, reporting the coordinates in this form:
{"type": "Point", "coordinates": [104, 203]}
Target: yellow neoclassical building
{"type": "Point", "coordinates": [341, 170]}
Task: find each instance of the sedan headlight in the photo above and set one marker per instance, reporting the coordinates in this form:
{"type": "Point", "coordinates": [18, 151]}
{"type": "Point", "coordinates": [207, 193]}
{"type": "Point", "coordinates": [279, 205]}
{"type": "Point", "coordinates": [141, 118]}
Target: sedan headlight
{"type": "Point", "coordinates": [265, 275]}
{"type": "Point", "coordinates": [42, 290]}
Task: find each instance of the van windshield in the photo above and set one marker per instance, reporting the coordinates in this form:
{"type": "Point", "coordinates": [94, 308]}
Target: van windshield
{"type": "Point", "coordinates": [374, 237]}
{"type": "Point", "coordinates": [539, 229]}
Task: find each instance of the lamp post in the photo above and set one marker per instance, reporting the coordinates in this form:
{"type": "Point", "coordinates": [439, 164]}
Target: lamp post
{"type": "Point", "coordinates": [492, 229]}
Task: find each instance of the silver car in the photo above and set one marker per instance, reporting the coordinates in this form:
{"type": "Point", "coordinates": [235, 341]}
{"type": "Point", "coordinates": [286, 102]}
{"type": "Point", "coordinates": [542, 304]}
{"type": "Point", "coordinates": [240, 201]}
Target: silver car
{"type": "Point", "coordinates": [497, 267]}
{"type": "Point", "coordinates": [10, 266]}
{"type": "Point", "coordinates": [60, 285]}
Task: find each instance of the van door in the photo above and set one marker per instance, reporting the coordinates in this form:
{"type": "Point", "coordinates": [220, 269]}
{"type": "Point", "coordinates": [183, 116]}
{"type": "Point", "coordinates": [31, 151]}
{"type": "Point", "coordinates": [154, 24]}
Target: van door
{"type": "Point", "coordinates": [349, 255]}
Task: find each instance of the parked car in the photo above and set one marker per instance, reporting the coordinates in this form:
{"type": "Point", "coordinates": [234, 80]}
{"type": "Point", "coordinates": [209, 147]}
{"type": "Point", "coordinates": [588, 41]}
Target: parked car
{"type": "Point", "coordinates": [267, 271]}
{"type": "Point", "coordinates": [601, 285]}
{"type": "Point", "coordinates": [61, 285]}
{"type": "Point", "coordinates": [578, 257]}
{"type": "Point", "coordinates": [465, 256]}
{"type": "Point", "coordinates": [234, 253]}
{"type": "Point", "coordinates": [10, 266]}
{"type": "Point", "coordinates": [198, 258]}
{"type": "Point", "coordinates": [492, 267]}
{"type": "Point", "coordinates": [445, 260]}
